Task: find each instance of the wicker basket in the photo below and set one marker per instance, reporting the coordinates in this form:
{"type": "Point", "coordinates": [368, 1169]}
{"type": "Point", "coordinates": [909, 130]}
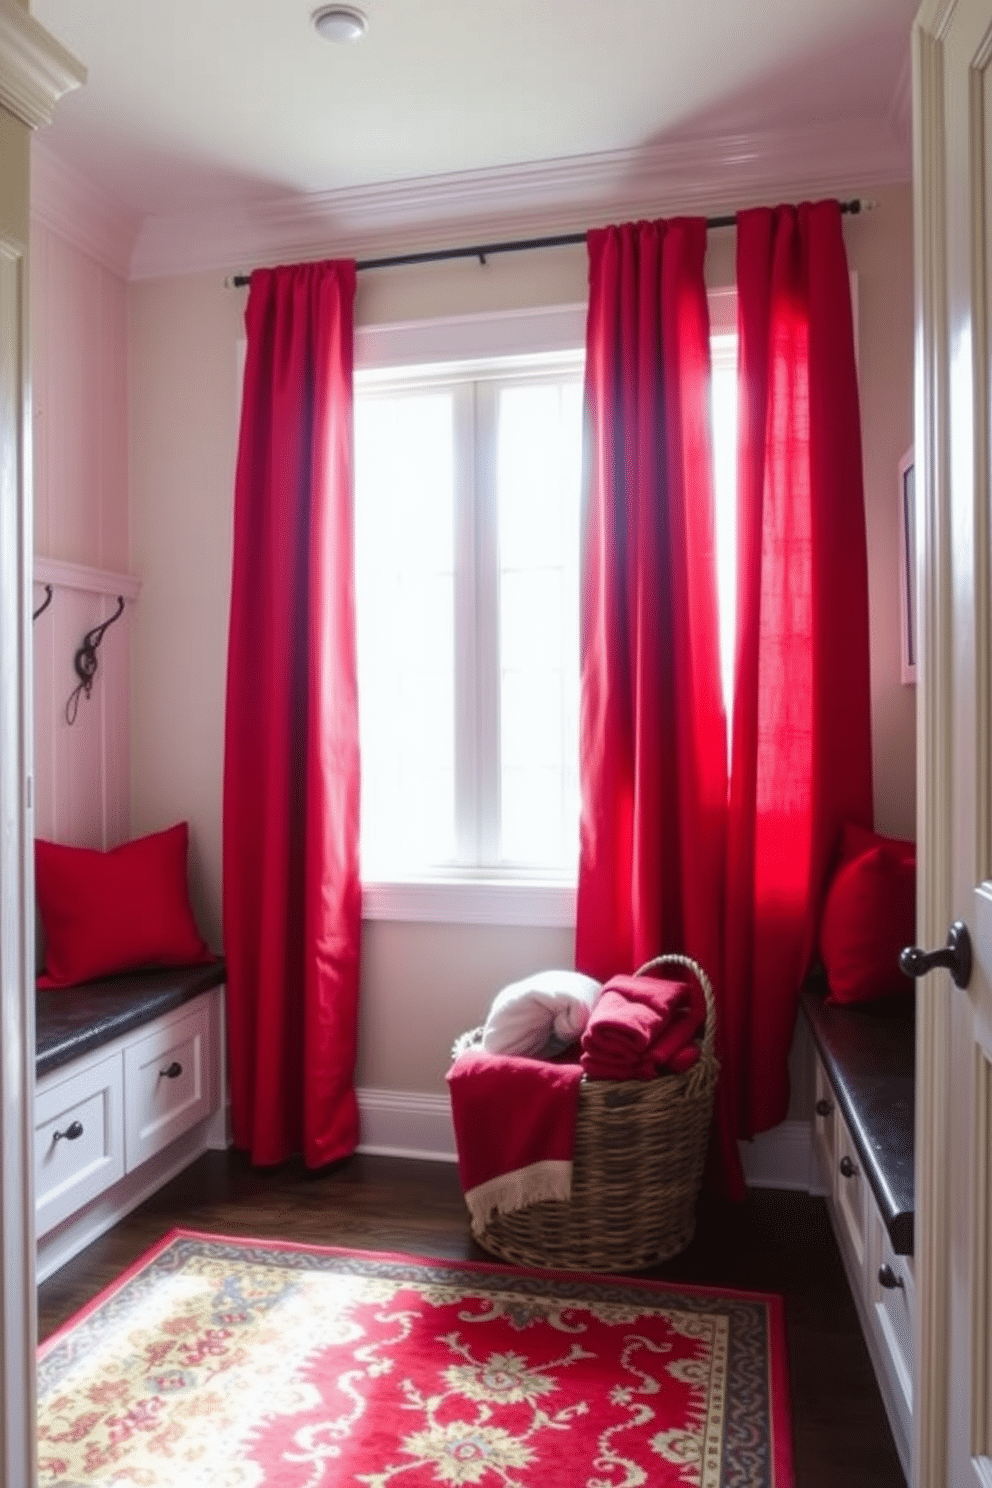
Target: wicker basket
{"type": "Point", "coordinates": [640, 1146]}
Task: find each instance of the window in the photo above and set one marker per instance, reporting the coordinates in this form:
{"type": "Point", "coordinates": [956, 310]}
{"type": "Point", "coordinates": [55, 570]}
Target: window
{"type": "Point", "coordinates": [468, 443]}
{"type": "Point", "coordinates": [467, 487]}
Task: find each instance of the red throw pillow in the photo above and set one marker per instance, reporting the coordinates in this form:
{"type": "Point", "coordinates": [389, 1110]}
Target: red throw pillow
{"type": "Point", "coordinates": [107, 912]}
{"type": "Point", "coordinates": [868, 916]}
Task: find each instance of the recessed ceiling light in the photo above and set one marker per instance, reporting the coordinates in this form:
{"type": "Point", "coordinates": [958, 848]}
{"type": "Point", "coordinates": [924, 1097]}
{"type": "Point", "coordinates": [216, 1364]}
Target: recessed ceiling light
{"type": "Point", "coordinates": [340, 22]}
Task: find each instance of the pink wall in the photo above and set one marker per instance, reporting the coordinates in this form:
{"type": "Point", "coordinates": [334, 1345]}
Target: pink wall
{"type": "Point", "coordinates": [80, 398]}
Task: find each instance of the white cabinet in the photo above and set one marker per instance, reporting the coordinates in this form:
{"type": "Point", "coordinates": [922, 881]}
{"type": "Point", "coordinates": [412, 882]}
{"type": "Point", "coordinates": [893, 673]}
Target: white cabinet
{"type": "Point", "coordinates": [883, 1284]}
{"type": "Point", "coordinates": [167, 1084]}
{"type": "Point", "coordinates": [850, 1196]}
{"type": "Point", "coordinates": [78, 1139]}
{"type": "Point", "coordinates": [113, 1125]}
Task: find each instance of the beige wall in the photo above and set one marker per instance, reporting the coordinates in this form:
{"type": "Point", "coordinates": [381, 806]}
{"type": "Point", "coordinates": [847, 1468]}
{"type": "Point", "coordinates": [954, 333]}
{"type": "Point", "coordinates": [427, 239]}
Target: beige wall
{"type": "Point", "coordinates": [421, 984]}
{"type": "Point", "coordinates": [183, 431]}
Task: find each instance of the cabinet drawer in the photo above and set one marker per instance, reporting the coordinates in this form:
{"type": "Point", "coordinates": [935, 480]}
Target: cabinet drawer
{"type": "Point", "coordinates": [849, 1194]}
{"type": "Point", "coordinates": [893, 1308]}
{"type": "Point", "coordinates": [824, 1124]}
{"type": "Point", "coordinates": [78, 1140]}
{"type": "Point", "coordinates": [167, 1085]}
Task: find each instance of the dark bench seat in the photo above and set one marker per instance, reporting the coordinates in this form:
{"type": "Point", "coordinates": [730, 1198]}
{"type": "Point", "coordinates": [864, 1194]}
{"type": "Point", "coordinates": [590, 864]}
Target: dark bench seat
{"type": "Point", "coordinates": [70, 1021]}
{"type": "Point", "coordinates": [869, 1054]}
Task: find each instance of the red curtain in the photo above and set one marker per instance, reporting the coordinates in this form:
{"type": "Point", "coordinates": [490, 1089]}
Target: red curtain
{"type": "Point", "coordinates": [801, 741]}
{"type": "Point", "coordinates": [653, 732]}
{"type": "Point", "coordinates": [292, 898]}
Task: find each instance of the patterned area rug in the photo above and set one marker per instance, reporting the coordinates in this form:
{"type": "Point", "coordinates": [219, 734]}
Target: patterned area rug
{"type": "Point", "coordinates": [222, 1363]}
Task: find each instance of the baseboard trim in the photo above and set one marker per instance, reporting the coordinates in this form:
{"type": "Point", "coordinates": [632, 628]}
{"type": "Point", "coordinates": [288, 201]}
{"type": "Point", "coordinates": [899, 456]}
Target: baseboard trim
{"type": "Point", "coordinates": [408, 1123]}
{"type": "Point", "coordinates": [782, 1158]}
{"type": "Point", "coordinates": [394, 1123]}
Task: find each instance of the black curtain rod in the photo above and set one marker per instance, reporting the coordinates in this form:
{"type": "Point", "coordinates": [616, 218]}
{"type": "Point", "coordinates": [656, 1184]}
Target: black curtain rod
{"type": "Point", "coordinates": [482, 251]}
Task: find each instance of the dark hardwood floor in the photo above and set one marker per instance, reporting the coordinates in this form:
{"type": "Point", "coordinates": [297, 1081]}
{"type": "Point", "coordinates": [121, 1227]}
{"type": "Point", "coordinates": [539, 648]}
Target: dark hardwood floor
{"type": "Point", "coordinates": [775, 1241]}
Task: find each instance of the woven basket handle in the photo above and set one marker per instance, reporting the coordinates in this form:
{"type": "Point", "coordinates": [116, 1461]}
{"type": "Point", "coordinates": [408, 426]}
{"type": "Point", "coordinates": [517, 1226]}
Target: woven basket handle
{"type": "Point", "coordinates": [703, 980]}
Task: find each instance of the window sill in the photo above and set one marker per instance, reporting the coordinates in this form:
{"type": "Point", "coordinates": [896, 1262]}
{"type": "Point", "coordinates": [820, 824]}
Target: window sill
{"type": "Point", "coordinates": [472, 902]}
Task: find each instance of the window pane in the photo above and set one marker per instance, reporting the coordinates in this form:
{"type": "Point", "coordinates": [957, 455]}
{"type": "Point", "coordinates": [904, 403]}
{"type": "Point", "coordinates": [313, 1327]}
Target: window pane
{"type": "Point", "coordinates": [404, 570]}
{"type": "Point", "coordinates": [539, 447]}
{"type": "Point", "coordinates": [724, 401]}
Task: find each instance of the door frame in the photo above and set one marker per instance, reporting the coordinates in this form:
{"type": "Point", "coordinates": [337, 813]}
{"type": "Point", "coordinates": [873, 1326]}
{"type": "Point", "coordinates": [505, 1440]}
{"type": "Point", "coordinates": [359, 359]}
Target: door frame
{"type": "Point", "coordinates": [934, 724]}
{"type": "Point", "coordinates": [34, 73]}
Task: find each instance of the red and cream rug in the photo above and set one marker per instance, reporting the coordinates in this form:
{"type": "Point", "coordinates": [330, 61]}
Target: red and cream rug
{"type": "Point", "coordinates": [224, 1363]}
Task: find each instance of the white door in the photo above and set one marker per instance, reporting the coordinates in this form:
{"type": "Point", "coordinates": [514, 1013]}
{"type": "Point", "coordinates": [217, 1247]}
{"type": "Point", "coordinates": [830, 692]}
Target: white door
{"type": "Point", "coordinates": [953, 156]}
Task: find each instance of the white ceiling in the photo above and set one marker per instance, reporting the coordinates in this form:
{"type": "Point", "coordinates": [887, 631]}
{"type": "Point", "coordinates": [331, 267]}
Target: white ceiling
{"type": "Point", "coordinates": [199, 107]}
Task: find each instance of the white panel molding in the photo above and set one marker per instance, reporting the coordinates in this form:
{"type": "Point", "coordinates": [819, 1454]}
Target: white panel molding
{"type": "Point", "coordinates": [67, 204]}
{"type": "Point", "coordinates": [724, 172]}
{"type": "Point", "coordinates": [90, 580]}
{"type": "Point", "coordinates": [35, 71]}
{"type": "Point", "coordinates": [406, 1123]}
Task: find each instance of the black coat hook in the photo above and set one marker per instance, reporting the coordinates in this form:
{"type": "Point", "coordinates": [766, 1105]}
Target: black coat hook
{"type": "Point", "coordinates": [85, 661]}
{"type": "Point", "coordinates": [44, 603]}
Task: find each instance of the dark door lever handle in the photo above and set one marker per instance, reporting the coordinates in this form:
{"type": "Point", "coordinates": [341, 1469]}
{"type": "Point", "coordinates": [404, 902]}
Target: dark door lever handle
{"type": "Point", "coordinates": [955, 955]}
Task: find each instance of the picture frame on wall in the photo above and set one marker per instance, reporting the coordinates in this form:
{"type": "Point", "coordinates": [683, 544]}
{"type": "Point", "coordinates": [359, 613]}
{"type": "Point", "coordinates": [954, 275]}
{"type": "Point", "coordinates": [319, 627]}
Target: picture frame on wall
{"type": "Point", "coordinates": [907, 565]}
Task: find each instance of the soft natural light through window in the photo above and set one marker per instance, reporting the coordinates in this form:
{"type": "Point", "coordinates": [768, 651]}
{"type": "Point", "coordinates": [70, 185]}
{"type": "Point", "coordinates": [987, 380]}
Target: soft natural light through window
{"type": "Point", "coordinates": [724, 405]}
{"type": "Point", "coordinates": [404, 563]}
{"type": "Point", "coordinates": [467, 493]}
{"type": "Point", "coordinates": [540, 444]}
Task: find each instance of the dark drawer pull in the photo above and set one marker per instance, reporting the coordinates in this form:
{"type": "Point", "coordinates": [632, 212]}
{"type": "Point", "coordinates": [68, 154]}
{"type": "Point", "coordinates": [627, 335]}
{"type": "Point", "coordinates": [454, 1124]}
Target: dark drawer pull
{"type": "Point", "coordinates": [173, 1072]}
{"type": "Point", "coordinates": [847, 1167]}
{"type": "Point", "coordinates": [70, 1133]}
{"type": "Point", "coordinates": [824, 1107]}
{"type": "Point", "coordinates": [888, 1278]}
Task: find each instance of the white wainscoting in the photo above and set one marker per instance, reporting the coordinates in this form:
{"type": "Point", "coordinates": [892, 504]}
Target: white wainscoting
{"type": "Point", "coordinates": [81, 772]}
{"type": "Point", "coordinates": [398, 1123]}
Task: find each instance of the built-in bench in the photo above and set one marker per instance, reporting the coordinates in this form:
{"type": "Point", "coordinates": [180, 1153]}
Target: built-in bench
{"type": "Point", "coordinates": [863, 1136]}
{"type": "Point", "coordinates": [129, 1091]}
{"type": "Point", "coordinates": [869, 1055]}
{"type": "Point", "coordinates": [73, 1021]}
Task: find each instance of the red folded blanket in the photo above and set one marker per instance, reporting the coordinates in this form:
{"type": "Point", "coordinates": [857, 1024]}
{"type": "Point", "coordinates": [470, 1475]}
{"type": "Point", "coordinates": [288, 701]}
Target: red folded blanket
{"type": "Point", "coordinates": [642, 1027]}
{"type": "Point", "coordinates": [514, 1124]}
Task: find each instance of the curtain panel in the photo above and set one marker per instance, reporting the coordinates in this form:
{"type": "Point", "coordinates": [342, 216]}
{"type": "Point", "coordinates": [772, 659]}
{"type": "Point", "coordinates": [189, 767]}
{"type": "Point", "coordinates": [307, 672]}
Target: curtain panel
{"type": "Point", "coordinates": [653, 761]}
{"type": "Point", "coordinates": [801, 753]}
{"type": "Point", "coordinates": [292, 897]}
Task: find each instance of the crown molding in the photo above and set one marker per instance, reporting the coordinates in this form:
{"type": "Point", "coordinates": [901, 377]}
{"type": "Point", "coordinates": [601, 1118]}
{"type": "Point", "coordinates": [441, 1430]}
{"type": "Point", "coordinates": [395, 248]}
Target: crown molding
{"type": "Point", "coordinates": [68, 204]}
{"type": "Point", "coordinates": [693, 175]}
{"type": "Point", "coordinates": [35, 71]}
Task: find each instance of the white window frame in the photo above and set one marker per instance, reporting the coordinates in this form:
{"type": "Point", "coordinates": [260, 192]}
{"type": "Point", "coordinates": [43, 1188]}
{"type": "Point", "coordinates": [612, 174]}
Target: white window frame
{"type": "Point", "coordinates": [445, 347]}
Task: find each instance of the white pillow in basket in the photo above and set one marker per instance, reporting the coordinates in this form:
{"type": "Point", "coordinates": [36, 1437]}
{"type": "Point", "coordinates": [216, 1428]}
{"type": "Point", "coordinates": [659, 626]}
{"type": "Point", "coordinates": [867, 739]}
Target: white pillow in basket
{"type": "Point", "coordinates": [542, 1014]}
